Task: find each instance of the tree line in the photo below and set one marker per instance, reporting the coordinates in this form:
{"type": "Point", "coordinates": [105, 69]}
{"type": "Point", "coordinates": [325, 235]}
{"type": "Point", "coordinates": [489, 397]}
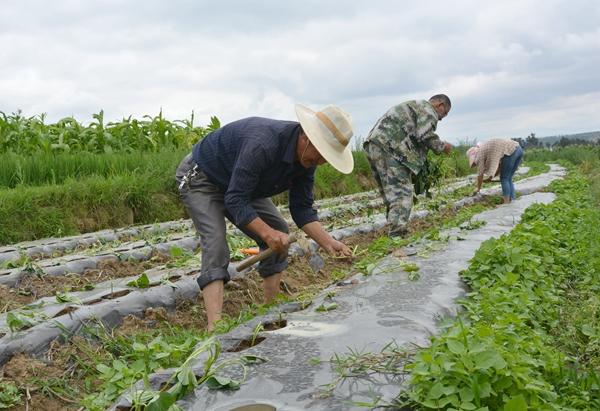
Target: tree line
{"type": "Point", "coordinates": [531, 141]}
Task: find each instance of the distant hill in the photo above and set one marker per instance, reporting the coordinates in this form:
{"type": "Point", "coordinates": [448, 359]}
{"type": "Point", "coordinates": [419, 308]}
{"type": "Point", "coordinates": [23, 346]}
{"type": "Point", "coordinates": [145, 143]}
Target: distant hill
{"type": "Point", "coordinates": [591, 136]}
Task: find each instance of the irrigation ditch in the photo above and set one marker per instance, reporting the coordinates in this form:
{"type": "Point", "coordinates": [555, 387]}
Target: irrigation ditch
{"type": "Point", "coordinates": [116, 302]}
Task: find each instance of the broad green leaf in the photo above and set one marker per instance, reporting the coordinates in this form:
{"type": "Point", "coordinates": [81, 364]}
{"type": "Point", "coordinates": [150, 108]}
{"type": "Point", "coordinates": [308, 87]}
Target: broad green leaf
{"type": "Point", "coordinates": [517, 403]}
{"type": "Point", "coordinates": [119, 365]}
{"type": "Point", "coordinates": [138, 347]}
{"type": "Point", "coordinates": [104, 369]}
{"type": "Point", "coordinates": [141, 282]}
{"type": "Point", "coordinates": [466, 394]}
{"type": "Point", "coordinates": [489, 359]}
{"type": "Point", "coordinates": [588, 330]}
{"type": "Point", "coordinates": [142, 397]}
{"type": "Point", "coordinates": [116, 377]}
{"type": "Point", "coordinates": [222, 383]}
{"type": "Point", "coordinates": [455, 347]}
{"type": "Point", "coordinates": [164, 402]}
{"type": "Point", "coordinates": [436, 391]}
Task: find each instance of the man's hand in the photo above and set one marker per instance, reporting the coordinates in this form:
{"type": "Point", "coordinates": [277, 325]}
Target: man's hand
{"type": "Point", "coordinates": [278, 241]}
{"type": "Point", "coordinates": [447, 147]}
{"type": "Point", "coordinates": [337, 248]}
{"type": "Point", "coordinates": [328, 243]}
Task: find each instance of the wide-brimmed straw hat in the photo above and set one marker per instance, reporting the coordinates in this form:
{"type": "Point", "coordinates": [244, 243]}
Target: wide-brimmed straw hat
{"type": "Point", "coordinates": [330, 131]}
{"type": "Point", "coordinates": [472, 155]}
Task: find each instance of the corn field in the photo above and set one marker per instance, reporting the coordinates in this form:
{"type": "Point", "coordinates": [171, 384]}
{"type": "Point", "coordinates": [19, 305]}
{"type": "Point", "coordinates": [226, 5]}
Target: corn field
{"type": "Point", "coordinates": [31, 135]}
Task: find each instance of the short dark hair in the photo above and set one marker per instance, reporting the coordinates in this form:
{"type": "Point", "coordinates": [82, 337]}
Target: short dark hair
{"type": "Point", "coordinates": [443, 98]}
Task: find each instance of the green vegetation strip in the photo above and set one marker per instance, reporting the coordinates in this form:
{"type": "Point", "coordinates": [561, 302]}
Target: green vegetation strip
{"type": "Point", "coordinates": [573, 154]}
{"type": "Point", "coordinates": [530, 334]}
{"type": "Point", "coordinates": [57, 168]}
{"type": "Point", "coordinates": [142, 196]}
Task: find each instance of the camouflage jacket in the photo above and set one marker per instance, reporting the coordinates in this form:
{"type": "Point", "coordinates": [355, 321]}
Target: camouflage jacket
{"type": "Point", "coordinates": [407, 132]}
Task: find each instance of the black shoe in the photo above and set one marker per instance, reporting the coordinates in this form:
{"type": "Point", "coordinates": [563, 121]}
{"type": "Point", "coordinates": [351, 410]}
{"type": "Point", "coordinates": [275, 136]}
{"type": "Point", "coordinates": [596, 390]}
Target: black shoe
{"type": "Point", "coordinates": [398, 233]}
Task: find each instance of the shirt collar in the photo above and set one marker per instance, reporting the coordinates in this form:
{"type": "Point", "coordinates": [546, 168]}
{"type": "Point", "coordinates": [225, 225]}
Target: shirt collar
{"type": "Point", "coordinates": [429, 107]}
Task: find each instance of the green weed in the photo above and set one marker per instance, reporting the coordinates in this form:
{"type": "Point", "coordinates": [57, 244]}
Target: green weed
{"type": "Point", "coordinates": [9, 395]}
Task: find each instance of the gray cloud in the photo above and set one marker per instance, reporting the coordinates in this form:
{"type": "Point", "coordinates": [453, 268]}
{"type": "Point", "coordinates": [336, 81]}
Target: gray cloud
{"type": "Point", "coordinates": [510, 68]}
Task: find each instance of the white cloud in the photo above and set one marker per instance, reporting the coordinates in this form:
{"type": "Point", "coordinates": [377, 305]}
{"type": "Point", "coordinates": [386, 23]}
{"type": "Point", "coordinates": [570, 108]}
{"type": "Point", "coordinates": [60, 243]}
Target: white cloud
{"type": "Point", "coordinates": [510, 68]}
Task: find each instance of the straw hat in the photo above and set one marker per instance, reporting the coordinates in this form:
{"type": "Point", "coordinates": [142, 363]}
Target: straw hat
{"type": "Point", "coordinates": [330, 131]}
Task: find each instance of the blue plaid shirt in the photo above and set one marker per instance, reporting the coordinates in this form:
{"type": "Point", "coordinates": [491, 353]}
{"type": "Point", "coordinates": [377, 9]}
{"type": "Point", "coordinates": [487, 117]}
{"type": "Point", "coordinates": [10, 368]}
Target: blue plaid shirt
{"type": "Point", "coordinates": [255, 158]}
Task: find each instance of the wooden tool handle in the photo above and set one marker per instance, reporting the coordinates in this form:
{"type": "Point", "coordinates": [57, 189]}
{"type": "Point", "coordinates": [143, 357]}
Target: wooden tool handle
{"type": "Point", "coordinates": [260, 256]}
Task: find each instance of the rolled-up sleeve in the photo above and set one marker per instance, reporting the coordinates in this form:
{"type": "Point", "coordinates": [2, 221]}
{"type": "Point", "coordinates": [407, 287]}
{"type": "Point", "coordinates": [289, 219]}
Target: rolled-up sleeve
{"type": "Point", "coordinates": [301, 200]}
{"type": "Point", "coordinates": [244, 179]}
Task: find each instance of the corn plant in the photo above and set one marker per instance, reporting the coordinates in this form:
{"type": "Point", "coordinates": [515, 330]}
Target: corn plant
{"type": "Point", "coordinates": [28, 135]}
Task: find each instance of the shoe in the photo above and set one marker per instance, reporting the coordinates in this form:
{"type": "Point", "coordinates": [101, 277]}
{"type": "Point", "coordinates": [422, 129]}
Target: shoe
{"type": "Point", "coordinates": [400, 232]}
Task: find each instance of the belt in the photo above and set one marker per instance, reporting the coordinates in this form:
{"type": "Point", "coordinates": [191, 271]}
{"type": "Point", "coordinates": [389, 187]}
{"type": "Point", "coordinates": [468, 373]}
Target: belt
{"type": "Point", "coordinates": [188, 176]}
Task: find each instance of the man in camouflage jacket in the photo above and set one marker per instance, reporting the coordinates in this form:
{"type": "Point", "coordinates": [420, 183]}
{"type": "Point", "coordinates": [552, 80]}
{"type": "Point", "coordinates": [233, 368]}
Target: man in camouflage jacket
{"type": "Point", "coordinates": [397, 147]}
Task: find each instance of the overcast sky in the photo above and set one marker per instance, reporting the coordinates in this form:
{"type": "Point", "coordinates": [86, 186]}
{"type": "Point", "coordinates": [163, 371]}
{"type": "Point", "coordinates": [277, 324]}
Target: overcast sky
{"type": "Point", "coordinates": [510, 67]}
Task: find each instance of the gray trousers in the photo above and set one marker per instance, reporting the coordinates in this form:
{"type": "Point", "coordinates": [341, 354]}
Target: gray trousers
{"type": "Point", "coordinates": [205, 204]}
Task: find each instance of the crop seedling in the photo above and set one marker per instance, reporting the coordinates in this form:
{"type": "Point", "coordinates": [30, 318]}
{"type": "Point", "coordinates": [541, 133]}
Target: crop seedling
{"type": "Point", "coordinates": [179, 257]}
{"type": "Point", "coordinates": [33, 269]}
{"type": "Point", "coordinates": [141, 282]}
{"type": "Point", "coordinates": [337, 275]}
{"type": "Point", "coordinates": [389, 362]}
{"type": "Point", "coordinates": [165, 280]}
{"type": "Point", "coordinates": [9, 395]}
{"type": "Point", "coordinates": [67, 298]}
{"type": "Point", "coordinates": [236, 243]}
{"type": "Point", "coordinates": [259, 327]}
{"type": "Point", "coordinates": [23, 319]}
{"type": "Point", "coordinates": [412, 270]}
{"type": "Point", "coordinates": [183, 380]}
{"type": "Point", "coordinates": [473, 224]}
{"type": "Point", "coordinates": [326, 307]}
{"type": "Point", "coordinates": [22, 261]}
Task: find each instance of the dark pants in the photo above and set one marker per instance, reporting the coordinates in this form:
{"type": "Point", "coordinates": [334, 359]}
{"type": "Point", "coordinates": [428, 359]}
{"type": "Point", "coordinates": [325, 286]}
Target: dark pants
{"type": "Point", "coordinates": [508, 167]}
{"type": "Point", "coordinates": [205, 205]}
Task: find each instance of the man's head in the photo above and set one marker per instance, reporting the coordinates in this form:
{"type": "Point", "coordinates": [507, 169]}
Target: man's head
{"type": "Point", "coordinates": [307, 154]}
{"type": "Point", "coordinates": [441, 104]}
{"type": "Point", "coordinates": [325, 138]}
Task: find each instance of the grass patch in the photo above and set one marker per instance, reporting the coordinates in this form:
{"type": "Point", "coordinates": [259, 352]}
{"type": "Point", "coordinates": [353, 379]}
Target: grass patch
{"type": "Point", "coordinates": [535, 168]}
{"type": "Point", "coordinates": [56, 168]}
{"type": "Point", "coordinates": [573, 154]}
{"type": "Point", "coordinates": [86, 205]}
